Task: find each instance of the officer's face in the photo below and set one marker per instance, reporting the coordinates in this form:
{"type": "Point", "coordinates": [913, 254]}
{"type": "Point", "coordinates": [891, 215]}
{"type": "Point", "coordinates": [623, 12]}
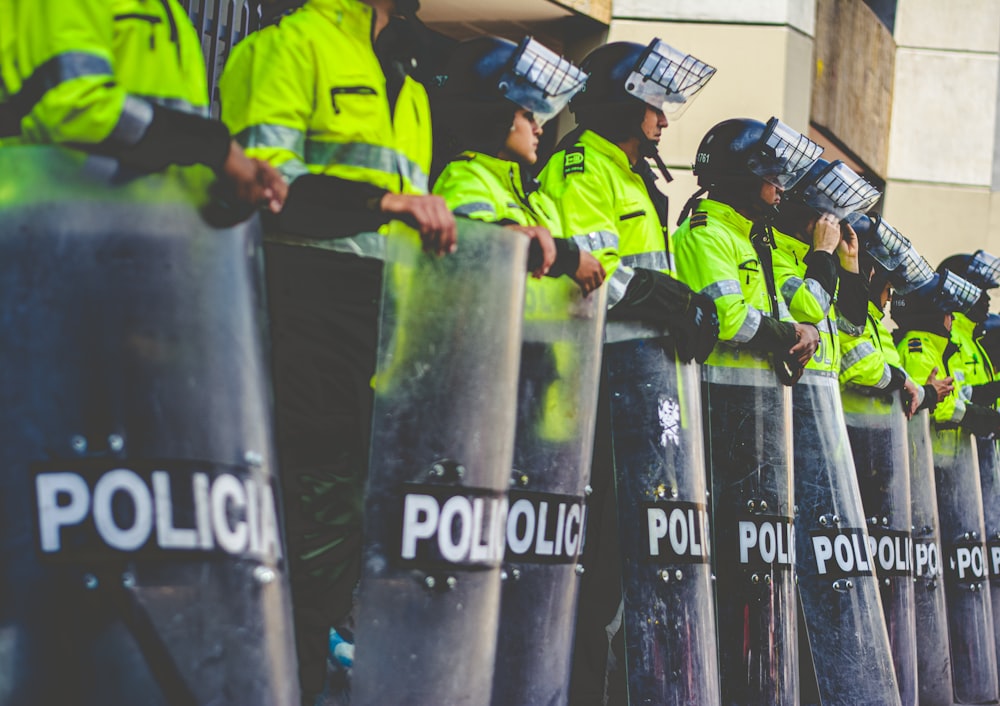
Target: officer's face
{"type": "Point", "coordinates": [769, 193]}
{"type": "Point", "coordinates": [522, 140]}
{"type": "Point", "coordinates": [653, 123]}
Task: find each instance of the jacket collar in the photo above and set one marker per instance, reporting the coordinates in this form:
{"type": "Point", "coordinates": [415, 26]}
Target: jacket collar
{"type": "Point", "coordinates": [522, 181]}
{"type": "Point", "coordinates": [591, 140]}
{"type": "Point", "coordinates": [353, 16]}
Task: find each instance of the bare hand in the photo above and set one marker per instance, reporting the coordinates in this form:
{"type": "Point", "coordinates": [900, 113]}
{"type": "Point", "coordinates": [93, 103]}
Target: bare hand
{"type": "Point", "coordinates": [590, 274]}
{"type": "Point", "coordinates": [807, 336]}
{"type": "Point", "coordinates": [848, 249]}
{"type": "Point", "coordinates": [429, 215]}
{"type": "Point", "coordinates": [255, 181]}
{"type": "Point", "coordinates": [911, 396]}
{"type": "Point", "coordinates": [943, 387]}
{"type": "Point", "coordinates": [826, 233]}
{"type": "Point", "coordinates": [544, 239]}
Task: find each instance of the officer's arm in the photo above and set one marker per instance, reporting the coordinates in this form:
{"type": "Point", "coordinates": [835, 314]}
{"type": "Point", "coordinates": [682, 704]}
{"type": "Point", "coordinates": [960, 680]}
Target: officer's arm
{"type": "Point", "coordinates": [808, 297]}
{"type": "Point", "coordinates": [919, 365]}
{"type": "Point", "coordinates": [706, 264]}
{"type": "Point", "coordinates": [863, 364]}
{"type": "Point", "coordinates": [75, 100]}
{"type": "Point", "coordinates": [852, 301]}
{"type": "Point", "coordinates": [586, 211]}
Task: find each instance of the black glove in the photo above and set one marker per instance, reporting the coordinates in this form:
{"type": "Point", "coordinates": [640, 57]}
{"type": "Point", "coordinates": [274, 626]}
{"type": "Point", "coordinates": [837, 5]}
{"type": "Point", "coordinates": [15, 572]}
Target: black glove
{"type": "Point", "coordinates": [897, 378]}
{"type": "Point", "coordinates": [981, 421]}
{"type": "Point", "coordinates": [697, 330]}
{"type": "Point", "coordinates": [659, 299]}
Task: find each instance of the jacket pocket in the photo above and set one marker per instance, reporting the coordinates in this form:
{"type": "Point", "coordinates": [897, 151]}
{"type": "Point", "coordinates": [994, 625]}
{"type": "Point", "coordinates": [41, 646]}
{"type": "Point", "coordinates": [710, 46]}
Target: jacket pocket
{"type": "Point", "coordinates": [343, 92]}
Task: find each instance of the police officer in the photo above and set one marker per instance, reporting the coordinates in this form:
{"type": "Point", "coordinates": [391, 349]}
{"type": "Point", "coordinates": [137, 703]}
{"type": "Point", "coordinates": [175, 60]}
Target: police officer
{"type": "Point", "coordinates": [325, 96]}
{"type": "Point", "coordinates": [603, 186]}
{"type": "Point", "coordinates": [127, 82]}
{"type": "Point", "coordinates": [725, 251]}
{"type": "Point", "coordinates": [493, 122]}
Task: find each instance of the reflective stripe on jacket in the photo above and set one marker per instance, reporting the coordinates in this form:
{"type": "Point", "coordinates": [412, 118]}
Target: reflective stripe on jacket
{"type": "Point", "coordinates": [603, 202]}
{"type": "Point", "coordinates": [84, 72]}
{"type": "Point", "coordinates": [715, 257]}
{"type": "Point", "coordinates": [808, 302]}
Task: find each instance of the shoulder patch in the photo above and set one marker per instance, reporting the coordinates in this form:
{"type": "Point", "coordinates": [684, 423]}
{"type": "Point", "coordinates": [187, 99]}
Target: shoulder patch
{"type": "Point", "coordinates": [915, 345]}
{"type": "Point", "coordinates": [573, 161]}
{"type": "Point", "coordinates": [699, 219]}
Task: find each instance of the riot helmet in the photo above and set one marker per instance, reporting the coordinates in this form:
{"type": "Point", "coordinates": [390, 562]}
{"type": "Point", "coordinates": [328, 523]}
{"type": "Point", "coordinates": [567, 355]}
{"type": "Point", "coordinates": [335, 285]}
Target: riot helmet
{"type": "Point", "coordinates": [488, 78]}
{"type": "Point", "coordinates": [980, 268]}
{"type": "Point", "coordinates": [737, 154]}
{"type": "Point", "coordinates": [923, 307]}
{"type": "Point", "coordinates": [835, 188]}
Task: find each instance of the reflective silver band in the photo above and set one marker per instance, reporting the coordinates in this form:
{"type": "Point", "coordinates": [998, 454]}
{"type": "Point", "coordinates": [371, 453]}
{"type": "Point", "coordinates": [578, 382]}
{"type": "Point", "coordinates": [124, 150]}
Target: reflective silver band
{"type": "Point", "coordinates": [886, 377]}
{"type": "Point", "coordinates": [748, 329]}
{"type": "Point", "coordinates": [847, 327]}
{"type": "Point", "coordinates": [722, 288]}
{"type": "Point", "coordinates": [748, 377]}
{"type": "Point", "coordinates": [819, 294]}
{"type": "Point", "coordinates": [598, 240]}
{"type": "Point", "coordinates": [790, 287]}
{"type": "Point", "coordinates": [856, 354]}
{"type": "Point", "coordinates": [468, 209]}
{"type": "Point", "coordinates": [648, 260]}
{"type": "Point", "coordinates": [132, 124]}
{"type": "Point", "coordinates": [273, 136]}
{"type": "Point", "coordinates": [784, 314]}
{"type": "Point", "coordinates": [959, 411]}
{"type": "Point", "coordinates": [178, 104]}
{"type": "Point", "coordinates": [367, 156]}
{"type": "Point", "coordinates": [618, 331]}
{"type": "Point", "coordinates": [617, 283]}
{"type": "Point", "coordinates": [292, 169]}
{"type": "Point", "coordinates": [819, 378]}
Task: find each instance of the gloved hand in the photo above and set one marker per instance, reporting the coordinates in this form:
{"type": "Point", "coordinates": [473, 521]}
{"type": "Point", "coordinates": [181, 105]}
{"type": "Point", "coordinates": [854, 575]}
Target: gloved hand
{"type": "Point", "coordinates": [697, 330]}
{"type": "Point", "coordinates": [981, 421]}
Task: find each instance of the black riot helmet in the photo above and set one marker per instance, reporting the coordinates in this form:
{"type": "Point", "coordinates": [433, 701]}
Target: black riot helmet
{"type": "Point", "coordinates": [980, 268]}
{"type": "Point", "coordinates": [625, 77]}
{"type": "Point", "coordinates": [736, 154]}
{"type": "Point", "coordinates": [487, 78]}
{"type": "Point", "coordinates": [828, 187]}
{"type": "Point", "coordinates": [924, 307]}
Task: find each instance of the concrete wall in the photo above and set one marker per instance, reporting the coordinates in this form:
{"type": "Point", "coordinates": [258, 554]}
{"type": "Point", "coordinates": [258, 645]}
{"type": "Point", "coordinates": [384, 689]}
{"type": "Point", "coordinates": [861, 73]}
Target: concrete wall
{"type": "Point", "coordinates": [943, 147]}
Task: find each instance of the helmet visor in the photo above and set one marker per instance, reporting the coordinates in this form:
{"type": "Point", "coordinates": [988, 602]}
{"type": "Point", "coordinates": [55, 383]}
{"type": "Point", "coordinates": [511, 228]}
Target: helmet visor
{"type": "Point", "coordinates": [955, 293]}
{"type": "Point", "coordinates": [783, 155]}
{"type": "Point", "coordinates": [840, 191]}
{"type": "Point", "coordinates": [912, 273]}
{"type": "Point", "coordinates": [667, 79]}
{"type": "Point", "coordinates": [985, 268]}
{"type": "Point", "coordinates": [540, 80]}
{"type": "Point", "coordinates": [886, 245]}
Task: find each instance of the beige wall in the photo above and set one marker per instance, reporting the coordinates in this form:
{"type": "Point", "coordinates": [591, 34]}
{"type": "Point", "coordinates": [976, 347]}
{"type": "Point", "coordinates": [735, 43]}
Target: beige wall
{"type": "Point", "coordinates": [763, 70]}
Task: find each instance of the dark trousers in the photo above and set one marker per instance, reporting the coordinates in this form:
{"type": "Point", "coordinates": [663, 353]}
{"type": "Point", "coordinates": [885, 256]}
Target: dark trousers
{"type": "Point", "coordinates": [324, 310]}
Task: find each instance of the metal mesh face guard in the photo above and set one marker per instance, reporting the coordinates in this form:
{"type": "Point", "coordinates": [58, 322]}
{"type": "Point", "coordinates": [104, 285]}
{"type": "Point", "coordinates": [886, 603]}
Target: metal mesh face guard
{"type": "Point", "coordinates": [888, 246]}
{"type": "Point", "coordinates": [841, 191]}
{"type": "Point", "coordinates": [955, 293]}
{"type": "Point", "coordinates": [912, 273]}
{"type": "Point", "coordinates": [667, 79]}
{"type": "Point", "coordinates": [782, 156]}
{"type": "Point", "coordinates": [540, 80]}
{"type": "Point", "coordinates": [985, 269]}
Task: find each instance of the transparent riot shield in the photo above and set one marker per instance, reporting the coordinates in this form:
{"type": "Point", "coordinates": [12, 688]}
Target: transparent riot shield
{"type": "Point", "coordinates": [933, 656]}
{"type": "Point", "coordinates": [556, 410]}
{"type": "Point", "coordinates": [668, 617]}
{"type": "Point", "coordinates": [141, 559]}
{"type": "Point", "coordinates": [442, 445]}
{"type": "Point", "coordinates": [989, 478]}
{"type": "Point", "coordinates": [749, 434]}
{"type": "Point", "coordinates": [967, 590]}
{"type": "Point", "coordinates": [876, 427]}
{"type": "Point", "coordinates": [834, 566]}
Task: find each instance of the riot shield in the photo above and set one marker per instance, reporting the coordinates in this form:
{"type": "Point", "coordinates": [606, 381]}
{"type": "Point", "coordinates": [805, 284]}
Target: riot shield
{"type": "Point", "coordinates": [557, 406]}
{"type": "Point", "coordinates": [967, 590]}
{"type": "Point", "coordinates": [659, 462]}
{"type": "Point", "coordinates": [834, 566]}
{"type": "Point", "coordinates": [749, 445]}
{"type": "Point", "coordinates": [933, 658]}
{"type": "Point", "coordinates": [876, 427]}
{"type": "Point", "coordinates": [989, 477]}
{"type": "Point", "coordinates": [442, 445]}
{"type": "Point", "coordinates": [141, 559]}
